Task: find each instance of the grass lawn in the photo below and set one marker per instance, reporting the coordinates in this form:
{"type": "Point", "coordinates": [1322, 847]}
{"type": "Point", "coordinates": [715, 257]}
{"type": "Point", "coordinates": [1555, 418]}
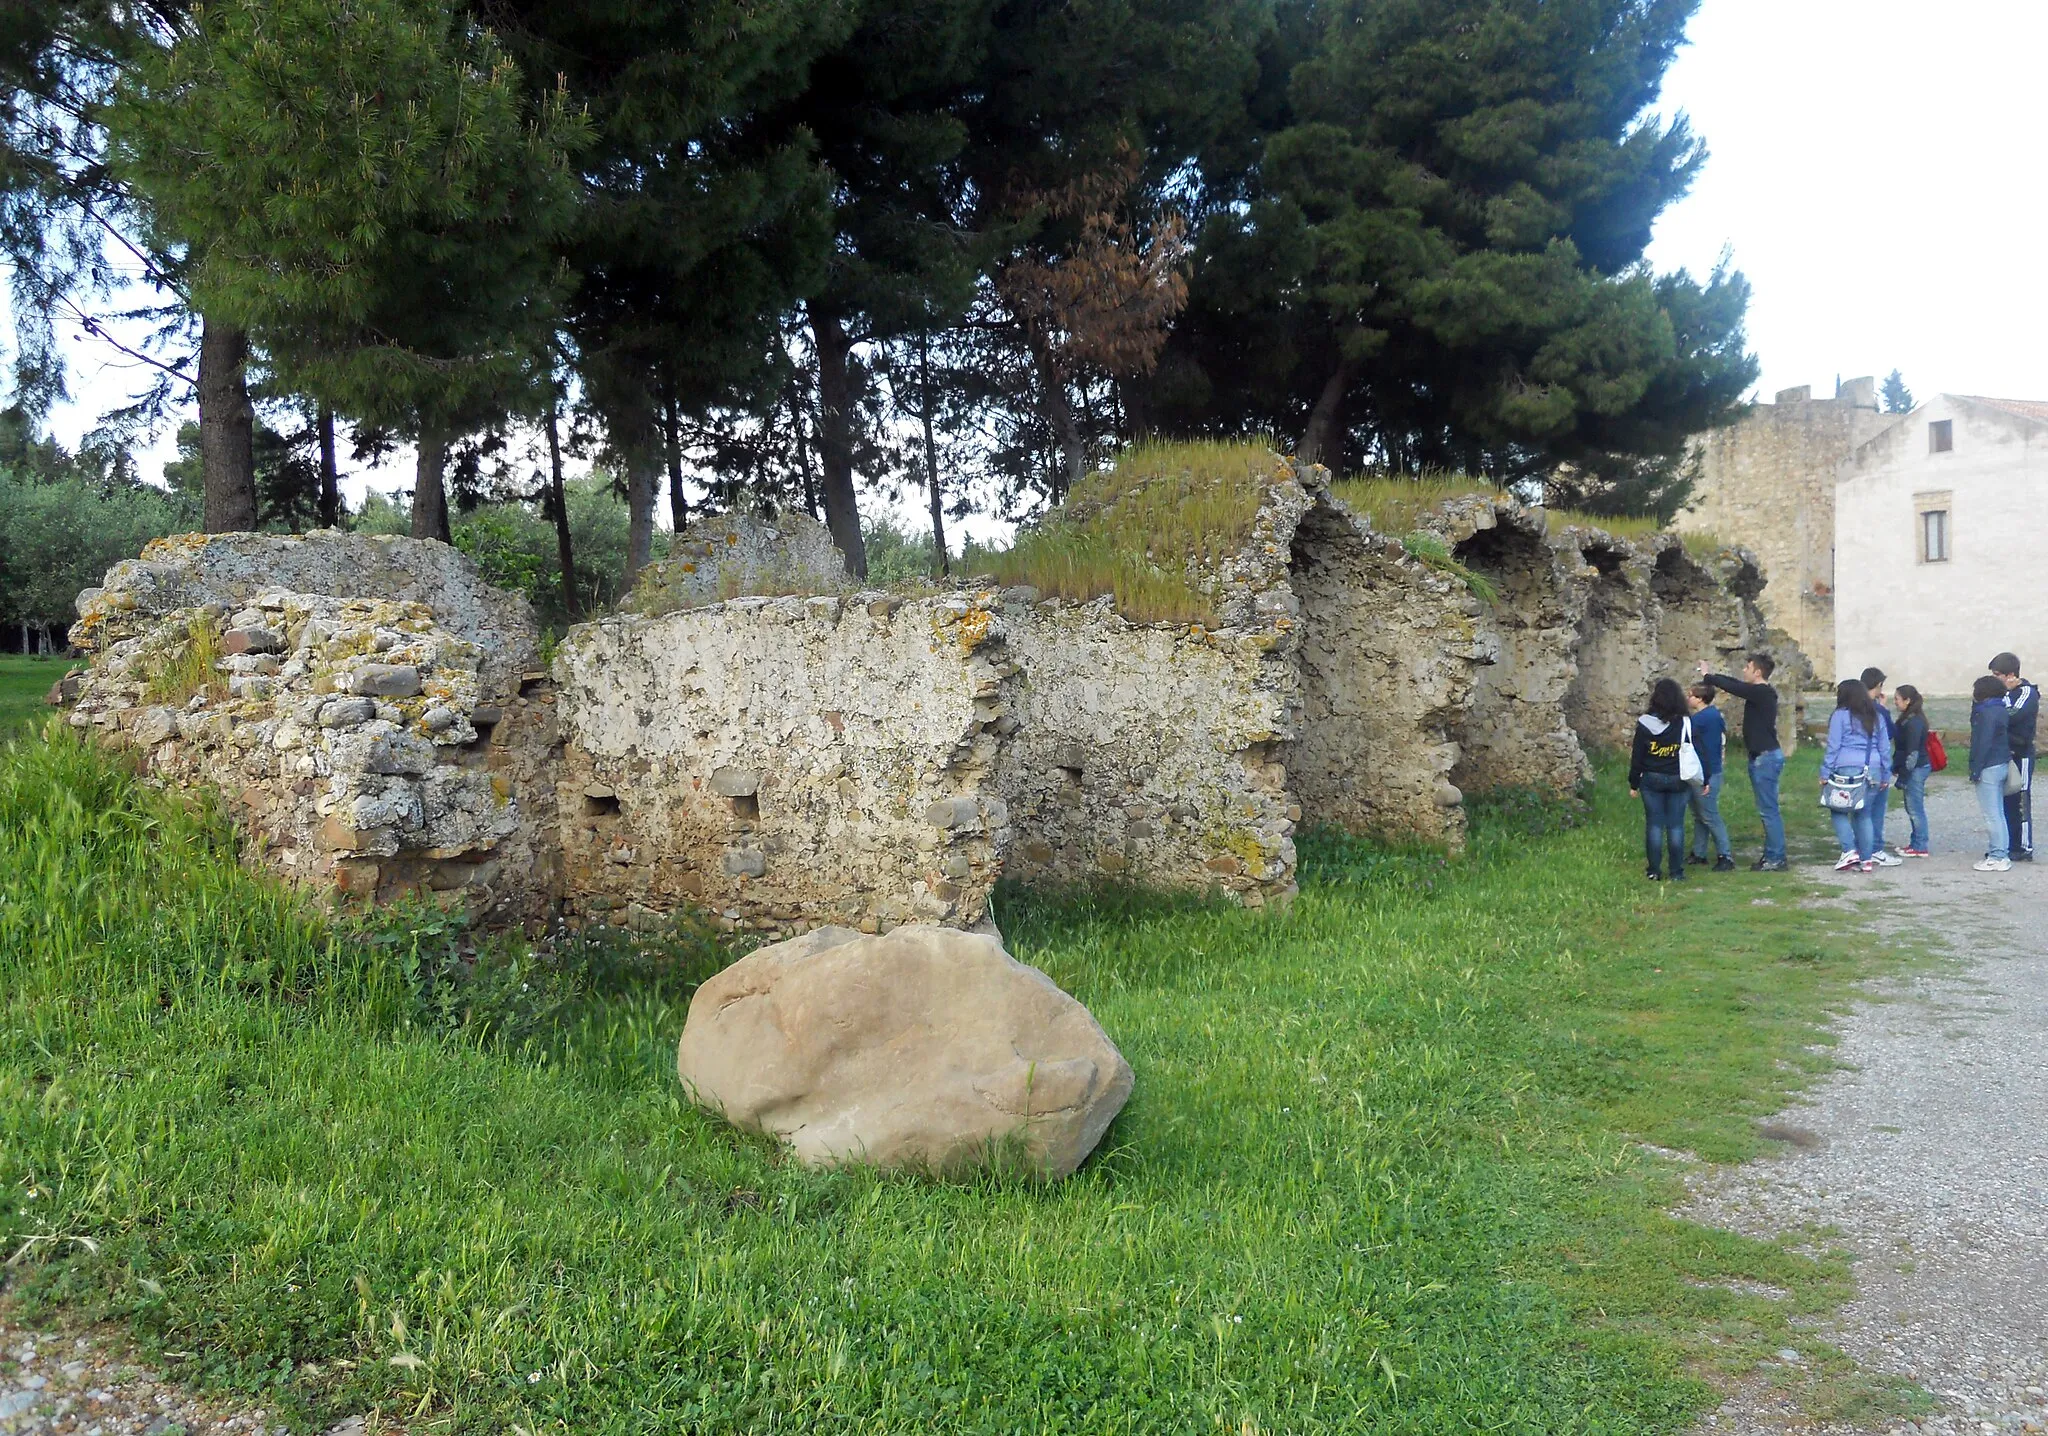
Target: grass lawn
{"type": "Point", "coordinates": [1384, 1169]}
{"type": "Point", "coordinates": [23, 682]}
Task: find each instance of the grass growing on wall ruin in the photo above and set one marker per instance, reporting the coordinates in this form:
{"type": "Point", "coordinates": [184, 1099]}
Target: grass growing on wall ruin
{"type": "Point", "coordinates": [1398, 504]}
{"type": "Point", "coordinates": [1382, 1171]}
{"type": "Point", "coordinates": [1145, 531]}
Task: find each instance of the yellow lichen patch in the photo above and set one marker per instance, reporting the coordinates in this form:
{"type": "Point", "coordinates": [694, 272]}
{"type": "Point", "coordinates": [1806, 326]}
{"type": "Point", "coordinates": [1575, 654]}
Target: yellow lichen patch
{"type": "Point", "coordinates": [175, 545]}
{"type": "Point", "coordinates": [973, 629]}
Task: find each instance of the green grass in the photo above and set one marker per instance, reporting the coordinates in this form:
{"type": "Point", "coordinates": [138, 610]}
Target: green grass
{"type": "Point", "coordinates": [1146, 531]}
{"type": "Point", "coordinates": [1627, 526]}
{"type": "Point", "coordinates": [1383, 1170]}
{"type": "Point", "coordinates": [1396, 504]}
{"type": "Point", "coordinates": [23, 684]}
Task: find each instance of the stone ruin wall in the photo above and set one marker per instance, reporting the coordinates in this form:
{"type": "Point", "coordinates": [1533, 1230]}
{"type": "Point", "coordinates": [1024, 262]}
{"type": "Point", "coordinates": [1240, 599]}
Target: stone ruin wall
{"type": "Point", "coordinates": [1150, 754]}
{"type": "Point", "coordinates": [1517, 729]}
{"type": "Point", "coordinates": [1388, 659]}
{"type": "Point", "coordinates": [381, 727]}
{"type": "Point", "coordinates": [786, 763]}
{"type": "Point", "coordinates": [377, 722]}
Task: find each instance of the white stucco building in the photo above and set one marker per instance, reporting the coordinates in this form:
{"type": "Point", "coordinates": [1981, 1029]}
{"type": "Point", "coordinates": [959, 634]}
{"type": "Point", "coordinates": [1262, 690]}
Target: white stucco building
{"type": "Point", "coordinates": [1941, 544]}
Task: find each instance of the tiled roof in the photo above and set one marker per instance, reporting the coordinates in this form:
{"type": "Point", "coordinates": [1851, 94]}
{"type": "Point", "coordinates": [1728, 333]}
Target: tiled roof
{"type": "Point", "coordinates": [2025, 408]}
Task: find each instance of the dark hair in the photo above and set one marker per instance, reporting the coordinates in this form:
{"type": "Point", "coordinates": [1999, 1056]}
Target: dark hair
{"type": "Point", "coordinates": [1852, 695]}
{"type": "Point", "coordinates": [1765, 664]}
{"type": "Point", "coordinates": [1987, 688]}
{"type": "Point", "coordinates": [1873, 678]}
{"type": "Point", "coordinates": [1704, 692]}
{"type": "Point", "coordinates": [1667, 700]}
{"type": "Point", "coordinates": [1907, 691]}
{"type": "Point", "coordinates": [2006, 663]}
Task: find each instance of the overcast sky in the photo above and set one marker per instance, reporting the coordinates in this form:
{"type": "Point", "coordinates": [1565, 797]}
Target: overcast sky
{"type": "Point", "coordinates": [1876, 172]}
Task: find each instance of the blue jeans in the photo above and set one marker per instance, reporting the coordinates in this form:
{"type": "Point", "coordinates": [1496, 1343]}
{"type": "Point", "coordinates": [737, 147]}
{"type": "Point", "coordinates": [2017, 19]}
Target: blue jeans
{"type": "Point", "coordinates": [1991, 801]}
{"type": "Point", "coordinates": [1764, 771]}
{"type": "Point", "coordinates": [1664, 800]}
{"type": "Point", "coordinates": [1857, 832]}
{"type": "Point", "coordinates": [1881, 807]}
{"type": "Point", "coordinates": [2019, 809]}
{"type": "Point", "coordinates": [1913, 788]}
{"type": "Point", "coordinates": [1706, 822]}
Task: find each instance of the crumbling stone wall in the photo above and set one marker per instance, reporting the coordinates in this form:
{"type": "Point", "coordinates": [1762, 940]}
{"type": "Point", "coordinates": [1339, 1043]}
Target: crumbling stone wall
{"type": "Point", "coordinates": [1155, 753]}
{"type": "Point", "coordinates": [741, 554]}
{"type": "Point", "coordinates": [1388, 657]}
{"type": "Point", "coordinates": [1616, 648]}
{"type": "Point", "coordinates": [374, 712]}
{"type": "Point", "coordinates": [786, 762]}
{"type": "Point", "coordinates": [1150, 753]}
{"type": "Point", "coordinates": [1517, 731]}
{"type": "Point", "coordinates": [377, 744]}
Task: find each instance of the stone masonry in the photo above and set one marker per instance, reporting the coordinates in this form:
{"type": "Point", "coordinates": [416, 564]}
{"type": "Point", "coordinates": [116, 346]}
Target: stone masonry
{"type": "Point", "coordinates": [368, 740]}
{"type": "Point", "coordinates": [377, 717]}
{"type": "Point", "coordinates": [1767, 484]}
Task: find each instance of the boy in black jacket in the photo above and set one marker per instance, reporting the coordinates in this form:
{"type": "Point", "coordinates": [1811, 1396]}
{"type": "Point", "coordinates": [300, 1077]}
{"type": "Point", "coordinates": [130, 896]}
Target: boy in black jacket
{"type": "Point", "coordinates": [2023, 704]}
{"type": "Point", "coordinates": [1760, 739]}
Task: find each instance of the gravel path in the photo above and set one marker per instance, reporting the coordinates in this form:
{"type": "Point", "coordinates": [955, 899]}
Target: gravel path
{"type": "Point", "coordinates": [82, 1383]}
{"type": "Point", "coordinates": [1928, 1154]}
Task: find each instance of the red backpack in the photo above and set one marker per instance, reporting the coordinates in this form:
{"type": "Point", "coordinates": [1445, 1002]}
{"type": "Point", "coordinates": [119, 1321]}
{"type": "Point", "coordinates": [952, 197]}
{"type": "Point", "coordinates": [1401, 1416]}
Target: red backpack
{"type": "Point", "coordinates": [1937, 752]}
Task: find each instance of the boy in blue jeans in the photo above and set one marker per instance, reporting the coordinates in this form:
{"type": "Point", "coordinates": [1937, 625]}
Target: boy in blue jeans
{"type": "Point", "coordinates": [1709, 740]}
{"type": "Point", "coordinates": [1760, 740]}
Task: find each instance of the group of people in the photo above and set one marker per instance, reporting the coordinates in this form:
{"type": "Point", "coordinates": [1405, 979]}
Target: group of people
{"type": "Point", "coordinates": [1677, 766]}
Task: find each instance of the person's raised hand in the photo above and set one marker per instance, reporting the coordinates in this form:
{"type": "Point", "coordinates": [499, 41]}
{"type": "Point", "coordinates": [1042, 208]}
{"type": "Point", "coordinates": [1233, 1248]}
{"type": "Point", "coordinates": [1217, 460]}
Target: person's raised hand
{"type": "Point", "coordinates": [1703, 668]}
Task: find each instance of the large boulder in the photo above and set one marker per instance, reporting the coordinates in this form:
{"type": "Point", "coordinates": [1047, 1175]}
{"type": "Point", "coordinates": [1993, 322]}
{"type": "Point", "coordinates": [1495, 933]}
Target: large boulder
{"type": "Point", "coordinates": [925, 1048]}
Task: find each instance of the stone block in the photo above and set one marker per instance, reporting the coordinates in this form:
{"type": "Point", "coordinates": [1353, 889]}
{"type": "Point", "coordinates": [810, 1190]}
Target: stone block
{"type": "Point", "coordinates": [745, 863]}
{"type": "Point", "coordinates": [735, 782]}
{"type": "Point", "coordinates": [386, 680]}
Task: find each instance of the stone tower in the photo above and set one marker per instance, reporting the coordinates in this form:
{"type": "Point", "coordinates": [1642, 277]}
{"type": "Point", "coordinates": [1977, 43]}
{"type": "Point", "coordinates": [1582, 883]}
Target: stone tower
{"type": "Point", "coordinates": [1767, 482]}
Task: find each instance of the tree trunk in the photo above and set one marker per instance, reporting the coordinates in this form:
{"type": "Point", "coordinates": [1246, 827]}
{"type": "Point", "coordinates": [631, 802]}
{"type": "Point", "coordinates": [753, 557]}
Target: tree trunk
{"type": "Point", "coordinates": [803, 449]}
{"type": "Point", "coordinates": [635, 437]}
{"type": "Point", "coordinates": [330, 473]}
{"type": "Point", "coordinates": [558, 509]}
{"type": "Point", "coordinates": [672, 437]}
{"type": "Point", "coordinates": [429, 488]}
{"type": "Point", "coordinates": [835, 439]}
{"type": "Point", "coordinates": [227, 422]}
{"type": "Point", "coordinates": [1323, 441]}
{"type": "Point", "coordinates": [1059, 412]}
{"type": "Point", "coordinates": [931, 451]}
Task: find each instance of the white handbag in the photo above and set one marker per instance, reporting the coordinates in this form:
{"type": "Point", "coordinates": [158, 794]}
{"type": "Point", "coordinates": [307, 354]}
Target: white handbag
{"type": "Point", "coordinates": [1690, 768]}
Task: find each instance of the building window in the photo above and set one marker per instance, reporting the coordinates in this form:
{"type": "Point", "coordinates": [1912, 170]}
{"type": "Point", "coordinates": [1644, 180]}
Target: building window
{"type": "Point", "coordinates": [1941, 436]}
{"type": "Point", "coordinates": [1934, 536]}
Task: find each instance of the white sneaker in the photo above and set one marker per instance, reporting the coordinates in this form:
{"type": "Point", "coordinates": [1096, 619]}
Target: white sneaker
{"type": "Point", "coordinates": [1848, 862]}
{"type": "Point", "coordinates": [1995, 865]}
{"type": "Point", "coordinates": [1888, 860]}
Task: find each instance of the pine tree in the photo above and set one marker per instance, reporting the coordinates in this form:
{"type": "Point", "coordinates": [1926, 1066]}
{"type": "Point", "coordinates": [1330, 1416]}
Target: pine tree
{"type": "Point", "coordinates": [365, 189]}
{"type": "Point", "coordinates": [1898, 399]}
{"type": "Point", "coordinates": [701, 226]}
{"type": "Point", "coordinates": [1435, 257]}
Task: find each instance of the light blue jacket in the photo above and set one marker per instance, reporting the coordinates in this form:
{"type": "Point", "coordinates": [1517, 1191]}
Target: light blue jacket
{"type": "Point", "coordinates": [1851, 750]}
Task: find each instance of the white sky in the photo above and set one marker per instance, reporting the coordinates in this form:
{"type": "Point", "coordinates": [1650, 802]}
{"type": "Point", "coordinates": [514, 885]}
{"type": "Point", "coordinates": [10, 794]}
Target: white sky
{"type": "Point", "coordinates": [1875, 171]}
{"type": "Point", "coordinates": [1876, 168]}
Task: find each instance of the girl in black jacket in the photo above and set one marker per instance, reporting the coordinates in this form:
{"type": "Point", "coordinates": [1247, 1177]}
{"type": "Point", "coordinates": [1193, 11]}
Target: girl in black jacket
{"type": "Point", "coordinates": [1910, 765]}
{"type": "Point", "coordinates": [1653, 775]}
